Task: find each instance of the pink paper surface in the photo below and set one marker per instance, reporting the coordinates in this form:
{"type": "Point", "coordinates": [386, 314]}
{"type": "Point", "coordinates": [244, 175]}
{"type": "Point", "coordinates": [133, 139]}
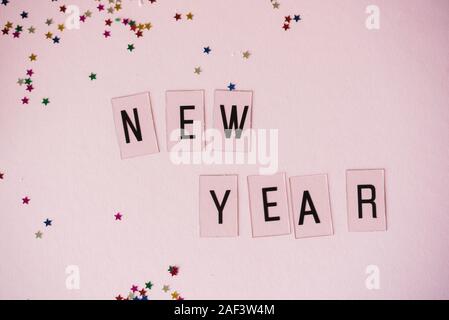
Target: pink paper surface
{"type": "Point", "coordinates": [148, 143]}
{"type": "Point", "coordinates": [174, 101]}
{"type": "Point", "coordinates": [260, 226]}
{"type": "Point", "coordinates": [341, 96]}
{"type": "Point", "coordinates": [317, 188]}
{"type": "Point", "coordinates": [367, 221]}
{"type": "Point", "coordinates": [209, 220]}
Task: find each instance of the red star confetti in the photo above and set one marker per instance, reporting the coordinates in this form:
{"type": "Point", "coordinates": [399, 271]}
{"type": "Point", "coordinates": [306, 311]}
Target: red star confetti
{"type": "Point", "coordinates": [118, 216]}
{"type": "Point", "coordinates": [26, 200]}
{"type": "Point", "coordinates": [173, 270]}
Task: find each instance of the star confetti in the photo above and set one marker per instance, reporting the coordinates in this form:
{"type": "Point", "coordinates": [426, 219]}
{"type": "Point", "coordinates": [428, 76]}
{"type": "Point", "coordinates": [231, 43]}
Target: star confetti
{"type": "Point", "coordinates": [2, 175]}
{"type": "Point", "coordinates": [197, 70]}
{"type": "Point", "coordinates": [207, 50]}
{"type": "Point", "coordinates": [148, 285]}
{"type": "Point", "coordinates": [189, 16]}
{"type": "Point", "coordinates": [177, 17]}
{"type": "Point", "coordinates": [93, 76]}
{"type": "Point", "coordinates": [175, 295]}
{"type": "Point", "coordinates": [26, 200]}
{"type": "Point", "coordinates": [173, 270]}
{"type": "Point", "coordinates": [45, 101]}
{"type": "Point", "coordinates": [38, 235]}
{"type": "Point", "coordinates": [231, 86]}
{"type": "Point", "coordinates": [289, 19]}
{"type": "Point", "coordinates": [166, 288]}
{"type": "Point", "coordinates": [118, 216]}
{"type": "Point", "coordinates": [246, 54]}
{"type": "Point", "coordinates": [131, 47]}
{"type": "Point", "coordinates": [48, 222]}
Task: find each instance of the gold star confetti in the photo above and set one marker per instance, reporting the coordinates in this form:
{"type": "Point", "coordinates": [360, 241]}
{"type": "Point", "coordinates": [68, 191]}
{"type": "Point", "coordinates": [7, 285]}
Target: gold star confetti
{"type": "Point", "coordinates": [32, 57]}
{"type": "Point", "coordinates": [88, 14]}
{"type": "Point", "coordinates": [190, 16]}
{"type": "Point", "coordinates": [148, 26]}
{"type": "Point", "coordinates": [166, 288]}
{"type": "Point", "coordinates": [198, 70]}
{"type": "Point", "coordinates": [38, 235]}
{"type": "Point", "coordinates": [174, 295]}
{"type": "Point", "coordinates": [61, 27]}
{"type": "Point", "coordinates": [246, 54]}
{"type": "Point", "coordinates": [8, 25]}
{"type": "Point", "coordinates": [31, 29]}
{"type": "Point", "coordinates": [48, 22]}
{"type": "Point", "coordinates": [276, 5]}
{"type": "Point", "coordinates": [49, 35]}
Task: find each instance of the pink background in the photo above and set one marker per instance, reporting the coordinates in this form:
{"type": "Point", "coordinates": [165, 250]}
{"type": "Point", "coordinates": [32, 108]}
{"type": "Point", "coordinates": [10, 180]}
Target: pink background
{"type": "Point", "coordinates": [342, 96]}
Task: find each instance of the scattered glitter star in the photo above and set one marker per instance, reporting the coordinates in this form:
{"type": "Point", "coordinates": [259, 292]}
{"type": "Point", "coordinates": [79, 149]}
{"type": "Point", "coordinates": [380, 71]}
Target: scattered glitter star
{"type": "Point", "coordinates": [38, 235]}
{"type": "Point", "coordinates": [118, 216]}
{"type": "Point", "coordinates": [1, 175]}
{"type": "Point", "coordinates": [5, 2]}
{"type": "Point", "coordinates": [26, 200]}
{"type": "Point", "coordinates": [93, 76]}
{"type": "Point", "coordinates": [25, 100]}
{"type": "Point", "coordinates": [286, 26]}
{"type": "Point", "coordinates": [30, 72]}
{"type": "Point", "coordinates": [49, 22]}
{"type": "Point", "coordinates": [107, 33]}
{"type": "Point", "coordinates": [56, 39]}
{"type": "Point", "coordinates": [173, 270]}
{"type": "Point", "coordinates": [174, 295]}
{"type": "Point", "coordinates": [24, 15]}
{"type": "Point", "coordinates": [246, 54]}
{"type": "Point", "coordinates": [166, 288]}
{"type": "Point", "coordinates": [20, 82]}
{"type": "Point", "coordinates": [45, 101]}
{"type": "Point", "coordinates": [207, 50]}
{"type": "Point", "coordinates": [276, 5]}
{"type": "Point", "coordinates": [296, 17]}
{"type": "Point", "coordinates": [231, 86]}
{"type": "Point", "coordinates": [31, 29]}
{"type": "Point", "coordinates": [198, 70]}
{"type": "Point", "coordinates": [48, 222]}
{"type": "Point", "coordinates": [134, 288]}
{"type": "Point", "coordinates": [148, 285]}
{"type": "Point", "coordinates": [131, 47]}
{"type": "Point", "coordinates": [32, 57]}
{"type": "Point", "coordinates": [143, 292]}
{"type": "Point", "coordinates": [177, 17]}
{"type": "Point", "coordinates": [189, 16]}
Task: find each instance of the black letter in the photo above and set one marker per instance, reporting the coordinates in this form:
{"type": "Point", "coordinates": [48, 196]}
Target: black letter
{"type": "Point", "coordinates": [219, 206]}
{"type": "Point", "coordinates": [362, 201]}
{"type": "Point", "coordinates": [127, 122]}
{"type": "Point", "coordinates": [233, 121]}
{"type": "Point", "coordinates": [306, 198]}
{"type": "Point", "coordinates": [183, 122]}
{"type": "Point", "coordinates": [266, 204]}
